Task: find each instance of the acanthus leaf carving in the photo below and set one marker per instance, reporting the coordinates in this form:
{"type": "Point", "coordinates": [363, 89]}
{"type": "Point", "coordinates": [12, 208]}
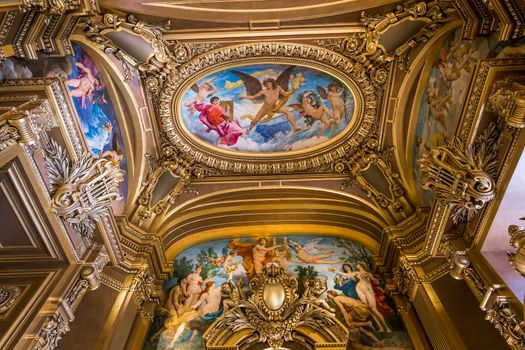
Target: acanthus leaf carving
{"type": "Point", "coordinates": [463, 176]}
{"type": "Point", "coordinates": [271, 322]}
{"type": "Point", "coordinates": [82, 191]}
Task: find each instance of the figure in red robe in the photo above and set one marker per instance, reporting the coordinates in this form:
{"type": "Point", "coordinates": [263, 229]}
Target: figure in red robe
{"type": "Point", "coordinates": [215, 118]}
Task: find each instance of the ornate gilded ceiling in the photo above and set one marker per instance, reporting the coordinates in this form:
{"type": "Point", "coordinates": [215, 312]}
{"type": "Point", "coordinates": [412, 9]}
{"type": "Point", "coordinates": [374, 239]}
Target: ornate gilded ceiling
{"type": "Point", "coordinates": [152, 128]}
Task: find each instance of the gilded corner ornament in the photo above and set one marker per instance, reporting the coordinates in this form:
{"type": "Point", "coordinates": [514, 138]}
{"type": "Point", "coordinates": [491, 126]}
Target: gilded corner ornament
{"type": "Point", "coordinates": [372, 52]}
{"type": "Point", "coordinates": [155, 68]}
{"type": "Point", "coordinates": [463, 176]}
{"type": "Point", "coordinates": [180, 166]}
{"type": "Point", "coordinates": [82, 191]}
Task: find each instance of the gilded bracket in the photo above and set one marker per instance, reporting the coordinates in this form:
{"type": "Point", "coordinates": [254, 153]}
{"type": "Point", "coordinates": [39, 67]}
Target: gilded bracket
{"type": "Point", "coordinates": [356, 165]}
{"type": "Point", "coordinates": [181, 167]}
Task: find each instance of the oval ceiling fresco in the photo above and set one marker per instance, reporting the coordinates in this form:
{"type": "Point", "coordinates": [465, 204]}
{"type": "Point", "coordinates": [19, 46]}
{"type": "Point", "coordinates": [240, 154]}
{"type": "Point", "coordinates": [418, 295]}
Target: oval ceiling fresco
{"type": "Point", "coordinates": [268, 108]}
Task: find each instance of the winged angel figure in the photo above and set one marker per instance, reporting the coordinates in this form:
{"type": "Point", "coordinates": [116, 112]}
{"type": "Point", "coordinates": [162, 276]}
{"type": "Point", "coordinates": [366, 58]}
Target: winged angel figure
{"type": "Point", "coordinates": [274, 93]}
{"type": "Point", "coordinates": [82, 190]}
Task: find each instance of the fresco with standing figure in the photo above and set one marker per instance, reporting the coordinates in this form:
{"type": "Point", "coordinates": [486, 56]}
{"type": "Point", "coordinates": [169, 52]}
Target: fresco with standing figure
{"type": "Point", "coordinates": [356, 293]}
{"type": "Point", "coordinates": [267, 108]}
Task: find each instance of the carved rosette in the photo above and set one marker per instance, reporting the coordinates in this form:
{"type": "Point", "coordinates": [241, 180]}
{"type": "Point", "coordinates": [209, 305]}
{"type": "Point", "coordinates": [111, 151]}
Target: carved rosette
{"type": "Point", "coordinates": [8, 297]}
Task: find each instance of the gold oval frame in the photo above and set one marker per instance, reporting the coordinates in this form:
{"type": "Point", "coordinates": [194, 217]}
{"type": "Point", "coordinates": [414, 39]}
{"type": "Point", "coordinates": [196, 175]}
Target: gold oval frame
{"type": "Point", "coordinates": [350, 84]}
{"type": "Point", "coordinates": [316, 157]}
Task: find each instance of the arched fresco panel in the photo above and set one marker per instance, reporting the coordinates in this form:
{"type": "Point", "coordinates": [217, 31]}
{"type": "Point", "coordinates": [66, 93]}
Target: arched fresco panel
{"type": "Point", "coordinates": [267, 108]}
{"type": "Point", "coordinates": [90, 97]}
{"type": "Point", "coordinates": [446, 82]}
{"type": "Point", "coordinates": [194, 297]}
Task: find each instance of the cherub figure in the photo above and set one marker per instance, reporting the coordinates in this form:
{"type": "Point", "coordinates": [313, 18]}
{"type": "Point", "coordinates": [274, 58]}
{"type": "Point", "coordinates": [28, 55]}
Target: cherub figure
{"type": "Point", "coordinates": [85, 85]}
{"type": "Point", "coordinates": [204, 90]}
{"type": "Point", "coordinates": [314, 288]}
{"type": "Point", "coordinates": [273, 92]}
{"type": "Point", "coordinates": [312, 107]}
{"type": "Point", "coordinates": [335, 96]}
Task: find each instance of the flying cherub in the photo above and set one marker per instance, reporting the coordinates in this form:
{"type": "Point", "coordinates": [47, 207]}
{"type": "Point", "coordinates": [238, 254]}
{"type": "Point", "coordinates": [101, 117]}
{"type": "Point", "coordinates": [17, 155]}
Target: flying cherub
{"type": "Point", "coordinates": [312, 107]}
{"type": "Point", "coordinates": [304, 253]}
{"type": "Point", "coordinates": [204, 90]}
{"type": "Point", "coordinates": [274, 94]}
{"type": "Point", "coordinates": [335, 95]}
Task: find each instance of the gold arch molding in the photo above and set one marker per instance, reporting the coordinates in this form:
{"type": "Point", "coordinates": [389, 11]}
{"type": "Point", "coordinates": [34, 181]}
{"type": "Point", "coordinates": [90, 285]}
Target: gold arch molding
{"type": "Point", "coordinates": [269, 212]}
{"type": "Point", "coordinates": [317, 157]}
{"type": "Point", "coordinates": [238, 11]}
